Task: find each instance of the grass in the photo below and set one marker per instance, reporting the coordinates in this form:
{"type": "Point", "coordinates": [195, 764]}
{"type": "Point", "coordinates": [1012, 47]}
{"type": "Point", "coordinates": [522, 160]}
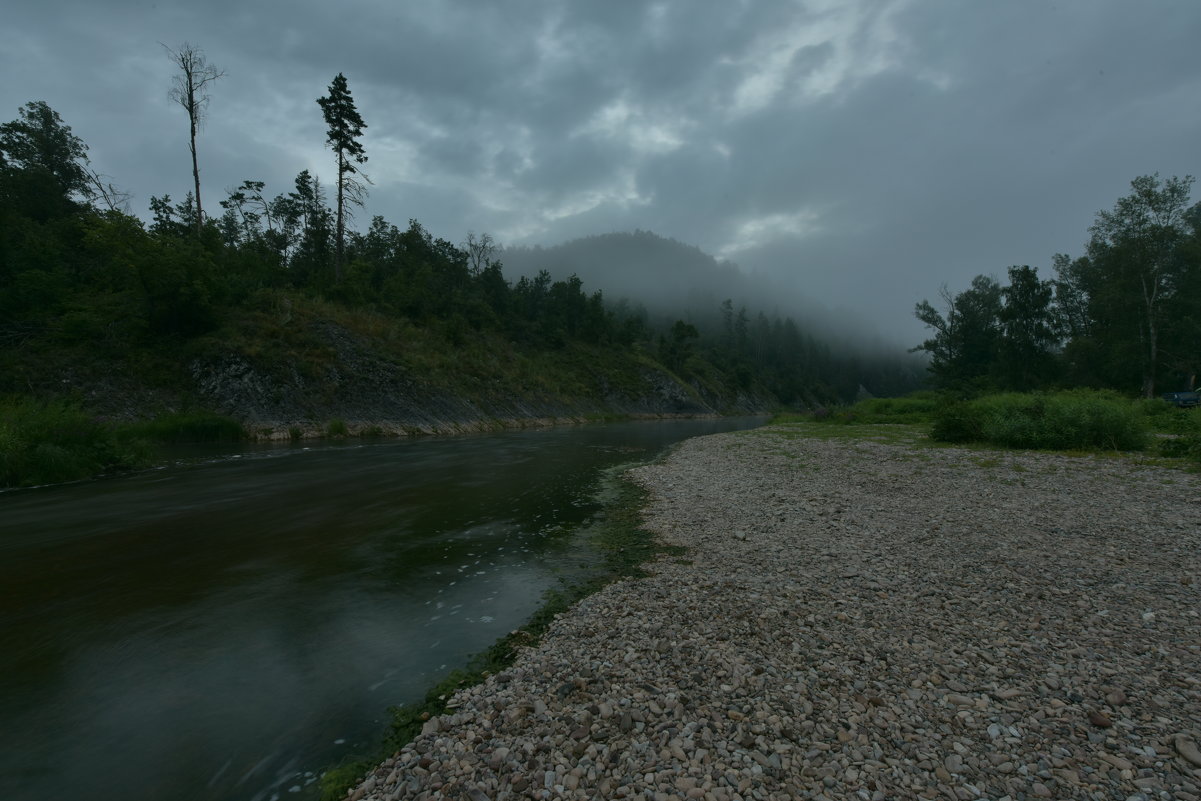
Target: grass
{"type": "Point", "coordinates": [51, 442]}
{"type": "Point", "coordinates": [615, 534]}
{"type": "Point", "coordinates": [1075, 422]}
{"type": "Point", "coordinates": [56, 441]}
{"type": "Point", "coordinates": [914, 409]}
{"type": "Point", "coordinates": [194, 426]}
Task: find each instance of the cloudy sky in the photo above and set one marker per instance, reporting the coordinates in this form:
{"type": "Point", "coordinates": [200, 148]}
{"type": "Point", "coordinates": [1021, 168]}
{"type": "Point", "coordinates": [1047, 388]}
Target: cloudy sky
{"type": "Point", "coordinates": [866, 150]}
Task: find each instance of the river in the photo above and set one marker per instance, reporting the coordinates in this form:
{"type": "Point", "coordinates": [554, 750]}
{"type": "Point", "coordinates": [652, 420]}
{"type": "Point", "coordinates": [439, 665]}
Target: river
{"type": "Point", "coordinates": [225, 626]}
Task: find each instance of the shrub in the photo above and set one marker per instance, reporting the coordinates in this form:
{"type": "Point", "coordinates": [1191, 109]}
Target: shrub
{"type": "Point", "coordinates": [1077, 420]}
{"type": "Point", "coordinates": [48, 442]}
{"type": "Point", "coordinates": [958, 421]}
{"type": "Point", "coordinates": [336, 428]}
{"type": "Point", "coordinates": [1186, 446]}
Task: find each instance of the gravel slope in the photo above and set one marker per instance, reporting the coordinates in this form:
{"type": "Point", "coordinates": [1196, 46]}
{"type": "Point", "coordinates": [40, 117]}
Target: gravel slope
{"type": "Point", "coordinates": [860, 620]}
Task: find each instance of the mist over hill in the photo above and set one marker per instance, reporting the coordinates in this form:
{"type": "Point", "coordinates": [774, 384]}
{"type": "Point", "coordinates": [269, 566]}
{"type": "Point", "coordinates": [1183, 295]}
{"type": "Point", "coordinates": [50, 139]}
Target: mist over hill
{"type": "Point", "coordinates": [671, 279]}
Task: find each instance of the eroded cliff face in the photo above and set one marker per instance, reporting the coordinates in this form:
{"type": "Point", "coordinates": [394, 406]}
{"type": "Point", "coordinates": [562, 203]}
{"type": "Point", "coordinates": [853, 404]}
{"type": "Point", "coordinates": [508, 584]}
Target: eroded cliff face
{"type": "Point", "coordinates": [369, 388]}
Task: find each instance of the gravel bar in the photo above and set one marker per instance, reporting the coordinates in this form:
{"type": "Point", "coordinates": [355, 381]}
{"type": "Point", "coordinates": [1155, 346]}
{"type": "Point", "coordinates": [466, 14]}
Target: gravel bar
{"type": "Point", "coordinates": [859, 620]}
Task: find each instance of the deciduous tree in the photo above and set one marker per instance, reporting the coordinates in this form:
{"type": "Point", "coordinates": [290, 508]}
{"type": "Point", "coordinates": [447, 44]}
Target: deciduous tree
{"type": "Point", "coordinates": [1029, 331]}
{"type": "Point", "coordinates": [964, 345]}
{"type": "Point", "coordinates": [43, 163]}
{"type": "Point", "coordinates": [1135, 266]}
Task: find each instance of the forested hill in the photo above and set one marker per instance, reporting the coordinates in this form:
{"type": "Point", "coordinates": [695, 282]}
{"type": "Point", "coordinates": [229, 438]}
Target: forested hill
{"type": "Point", "coordinates": [276, 313]}
{"type": "Point", "coordinates": [668, 280]}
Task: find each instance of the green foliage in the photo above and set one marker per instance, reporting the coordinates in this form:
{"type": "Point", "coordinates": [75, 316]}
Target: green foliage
{"type": "Point", "coordinates": [336, 428]}
{"type": "Point", "coordinates": [345, 128]}
{"type": "Point", "coordinates": [1134, 281]}
{"type": "Point", "coordinates": [915, 408]}
{"type": "Point", "coordinates": [1029, 332]}
{"type": "Point", "coordinates": [918, 407]}
{"type": "Point", "coordinates": [1181, 428]}
{"type": "Point", "coordinates": [1125, 316]}
{"type": "Point", "coordinates": [39, 150]}
{"type": "Point", "coordinates": [55, 441]}
{"type": "Point", "coordinates": [966, 339]}
{"type": "Point", "coordinates": [1077, 420]}
{"type": "Point", "coordinates": [193, 426]}
{"type": "Point", "coordinates": [1184, 446]}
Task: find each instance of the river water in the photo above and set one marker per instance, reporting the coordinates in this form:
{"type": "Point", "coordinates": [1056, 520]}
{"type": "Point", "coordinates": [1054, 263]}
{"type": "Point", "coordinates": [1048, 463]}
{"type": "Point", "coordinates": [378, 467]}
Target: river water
{"type": "Point", "coordinates": [226, 626]}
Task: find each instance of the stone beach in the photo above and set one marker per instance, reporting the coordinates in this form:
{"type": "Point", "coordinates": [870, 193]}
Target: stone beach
{"type": "Point", "coordinates": [859, 619]}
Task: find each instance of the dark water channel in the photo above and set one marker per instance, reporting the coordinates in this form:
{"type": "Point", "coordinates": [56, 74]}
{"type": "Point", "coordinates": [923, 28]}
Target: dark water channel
{"type": "Point", "coordinates": [225, 627]}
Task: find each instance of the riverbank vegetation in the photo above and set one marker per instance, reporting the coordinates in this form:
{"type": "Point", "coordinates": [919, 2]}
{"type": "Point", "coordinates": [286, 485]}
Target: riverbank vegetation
{"type": "Point", "coordinates": [55, 441]}
{"type": "Point", "coordinates": [1053, 363]}
{"type": "Point", "coordinates": [1067, 420]}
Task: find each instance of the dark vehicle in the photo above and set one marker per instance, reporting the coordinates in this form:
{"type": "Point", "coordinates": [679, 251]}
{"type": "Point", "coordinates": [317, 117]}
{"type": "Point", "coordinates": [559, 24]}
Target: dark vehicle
{"type": "Point", "coordinates": [1185, 400]}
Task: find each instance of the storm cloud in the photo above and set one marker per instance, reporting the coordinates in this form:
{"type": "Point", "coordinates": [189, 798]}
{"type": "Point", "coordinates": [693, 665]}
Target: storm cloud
{"type": "Point", "coordinates": [865, 152]}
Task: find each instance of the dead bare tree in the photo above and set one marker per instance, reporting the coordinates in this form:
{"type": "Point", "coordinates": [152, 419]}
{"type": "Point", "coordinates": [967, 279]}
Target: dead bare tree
{"type": "Point", "coordinates": [190, 89]}
{"type": "Point", "coordinates": [101, 189]}
{"type": "Point", "coordinates": [481, 251]}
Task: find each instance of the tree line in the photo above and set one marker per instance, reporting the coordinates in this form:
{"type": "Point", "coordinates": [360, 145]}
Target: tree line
{"type": "Point", "coordinates": [78, 269]}
{"type": "Point", "coordinates": [1125, 315]}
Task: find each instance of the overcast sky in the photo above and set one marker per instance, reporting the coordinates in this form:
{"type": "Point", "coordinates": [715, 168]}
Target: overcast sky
{"type": "Point", "coordinates": [868, 150]}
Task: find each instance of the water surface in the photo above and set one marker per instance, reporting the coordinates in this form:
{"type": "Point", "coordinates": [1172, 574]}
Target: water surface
{"type": "Point", "coordinates": [224, 627]}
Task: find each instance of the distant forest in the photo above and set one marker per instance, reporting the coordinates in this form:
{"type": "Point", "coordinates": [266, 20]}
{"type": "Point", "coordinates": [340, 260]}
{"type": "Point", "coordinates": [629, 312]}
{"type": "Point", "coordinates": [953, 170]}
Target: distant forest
{"type": "Point", "coordinates": [1126, 315]}
{"type": "Point", "coordinates": [78, 270]}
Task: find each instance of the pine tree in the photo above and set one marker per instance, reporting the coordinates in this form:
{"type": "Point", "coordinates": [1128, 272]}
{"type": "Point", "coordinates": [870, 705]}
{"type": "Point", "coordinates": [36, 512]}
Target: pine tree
{"type": "Point", "coordinates": [345, 128]}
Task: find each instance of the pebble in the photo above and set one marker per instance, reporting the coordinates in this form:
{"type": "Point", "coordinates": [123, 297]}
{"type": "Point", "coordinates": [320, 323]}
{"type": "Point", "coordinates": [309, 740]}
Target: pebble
{"type": "Point", "coordinates": [862, 620]}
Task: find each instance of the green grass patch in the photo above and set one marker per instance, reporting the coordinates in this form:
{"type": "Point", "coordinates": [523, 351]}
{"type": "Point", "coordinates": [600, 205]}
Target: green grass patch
{"type": "Point", "coordinates": [51, 442]}
{"type": "Point", "coordinates": [1076, 420]}
{"type": "Point", "coordinates": [55, 441]}
{"type": "Point", "coordinates": [793, 426]}
{"type": "Point", "coordinates": [178, 427]}
{"type": "Point", "coordinates": [913, 409]}
{"type": "Point", "coordinates": [1179, 429]}
{"type": "Point", "coordinates": [615, 534]}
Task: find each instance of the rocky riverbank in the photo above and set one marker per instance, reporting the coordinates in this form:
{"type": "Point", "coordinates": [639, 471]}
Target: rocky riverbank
{"type": "Point", "coordinates": [856, 619]}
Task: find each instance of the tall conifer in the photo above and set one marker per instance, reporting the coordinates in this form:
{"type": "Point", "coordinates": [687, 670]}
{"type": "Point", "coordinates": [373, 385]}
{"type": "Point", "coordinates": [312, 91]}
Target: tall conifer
{"type": "Point", "coordinates": [345, 128]}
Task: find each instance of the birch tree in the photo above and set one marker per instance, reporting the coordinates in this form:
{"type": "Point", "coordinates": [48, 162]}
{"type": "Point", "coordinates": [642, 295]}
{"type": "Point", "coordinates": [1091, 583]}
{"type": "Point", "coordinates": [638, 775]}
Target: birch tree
{"type": "Point", "coordinates": [1135, 264]}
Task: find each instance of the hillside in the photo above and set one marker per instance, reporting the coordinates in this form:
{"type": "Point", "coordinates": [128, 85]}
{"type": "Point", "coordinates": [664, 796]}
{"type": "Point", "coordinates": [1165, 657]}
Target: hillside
{"type": "Point", "coordinates": [288, 365]}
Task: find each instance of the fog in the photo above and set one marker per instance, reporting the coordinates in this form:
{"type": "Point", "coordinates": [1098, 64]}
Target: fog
{"type": "Point", "coordinates": [673, 280]}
